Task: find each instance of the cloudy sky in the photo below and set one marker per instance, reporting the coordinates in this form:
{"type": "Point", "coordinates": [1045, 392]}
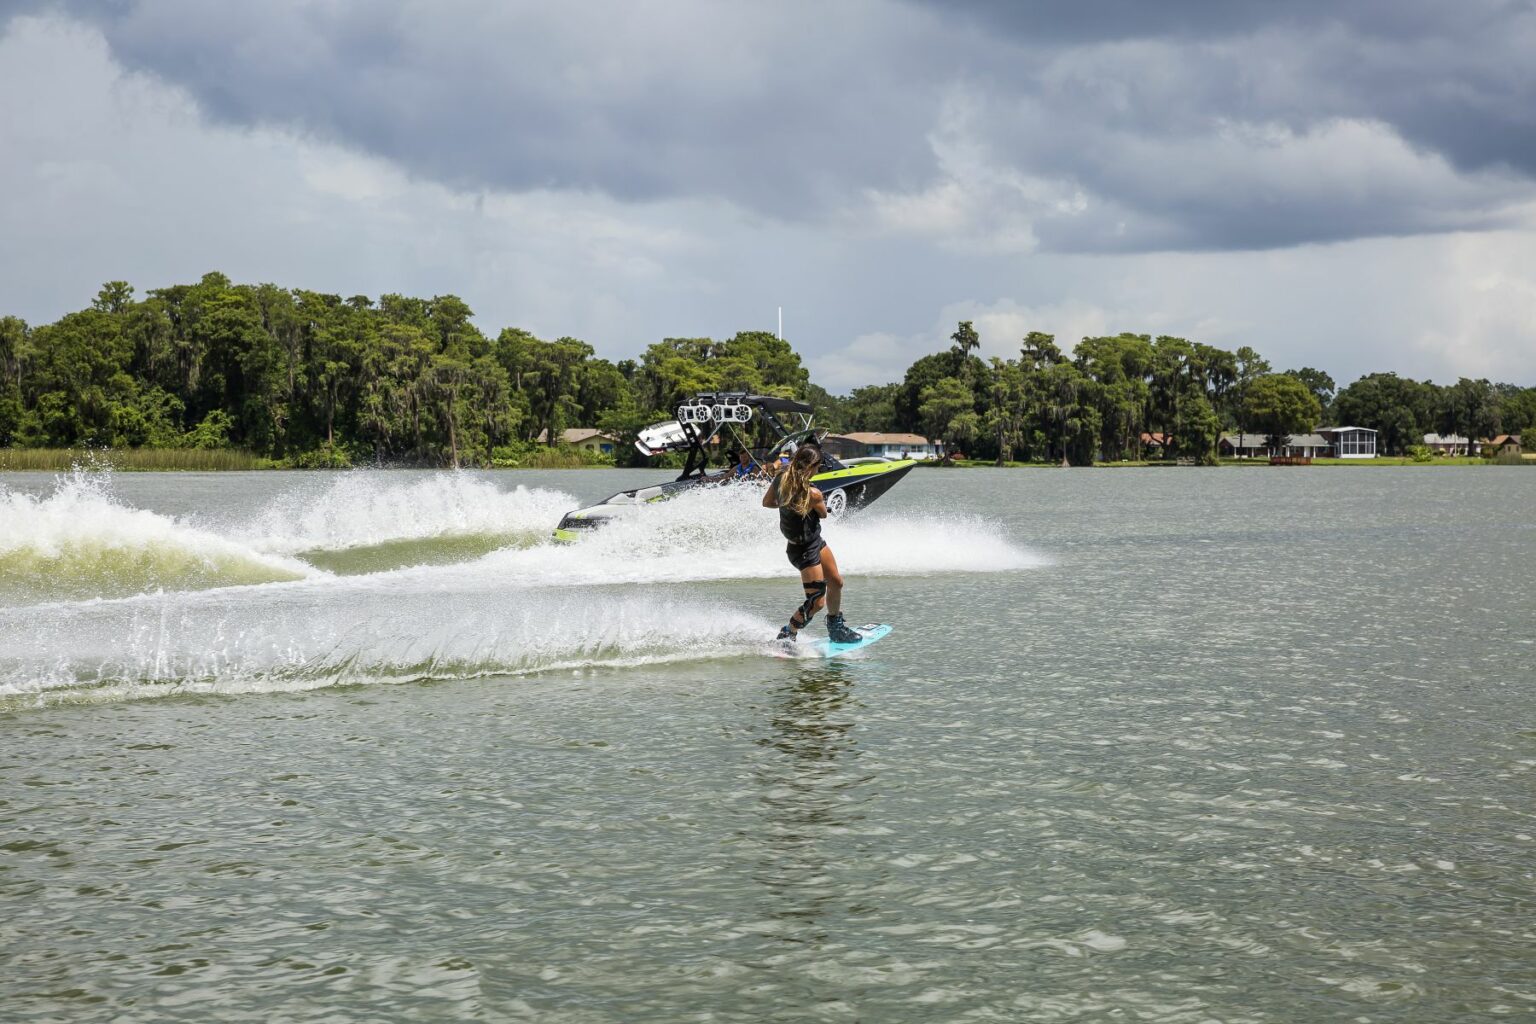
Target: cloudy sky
{"type": "Point", "coordinates": [1350, 186]}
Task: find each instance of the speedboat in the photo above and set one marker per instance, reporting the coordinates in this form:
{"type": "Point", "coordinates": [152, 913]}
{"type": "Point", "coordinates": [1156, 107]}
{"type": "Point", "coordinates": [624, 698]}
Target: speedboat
{"type": "Point", "coordinates": [782, 423]}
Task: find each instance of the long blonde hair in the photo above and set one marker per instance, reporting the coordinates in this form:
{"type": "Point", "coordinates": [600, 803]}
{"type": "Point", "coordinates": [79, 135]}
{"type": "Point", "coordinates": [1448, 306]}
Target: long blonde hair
{"type": "Point", "coordinates": [795, 482]}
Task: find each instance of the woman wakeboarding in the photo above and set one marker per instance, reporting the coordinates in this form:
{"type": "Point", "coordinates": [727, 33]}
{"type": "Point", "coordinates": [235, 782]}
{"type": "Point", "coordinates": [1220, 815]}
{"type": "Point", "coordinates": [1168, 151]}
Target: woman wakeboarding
{"type": "Point", "coordinates": [801, 510]}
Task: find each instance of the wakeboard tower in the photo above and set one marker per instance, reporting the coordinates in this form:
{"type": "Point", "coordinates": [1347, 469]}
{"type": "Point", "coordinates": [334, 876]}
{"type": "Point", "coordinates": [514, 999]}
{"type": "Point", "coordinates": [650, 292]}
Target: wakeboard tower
{"type": "Point", "coordinates": [766, 427]}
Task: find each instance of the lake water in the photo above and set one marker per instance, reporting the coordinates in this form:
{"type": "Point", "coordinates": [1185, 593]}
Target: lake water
{"type": "Point", "coordinates": [1154, 745]}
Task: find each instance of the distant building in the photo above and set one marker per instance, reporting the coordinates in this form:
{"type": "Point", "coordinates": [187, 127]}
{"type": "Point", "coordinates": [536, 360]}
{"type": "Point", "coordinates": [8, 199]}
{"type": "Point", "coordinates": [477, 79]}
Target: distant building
{"type": "Point", "coordinates": [1155, 442]}
{"type": "Point", "coordinates": [1306, 446]}
{"type": "Point", "coordinates": [1351, 442]}
{"type": "Point", "coordinates": [588, 438]}
{"type": "Point", "coordinates": [1329, 442]}
{"type": "Point", "coordinates": [1244, 446]}
{"type": "Point", "coordinates": [1447, 444]}
{"type": "Point", "coordinates": [864, 444]}
{"type": "Point", "coordinates": [1502, 443]}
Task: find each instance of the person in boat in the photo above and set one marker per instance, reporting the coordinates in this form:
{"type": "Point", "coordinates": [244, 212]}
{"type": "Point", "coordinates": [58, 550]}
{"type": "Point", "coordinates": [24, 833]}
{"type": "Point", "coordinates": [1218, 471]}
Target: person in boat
{"type": "Point", "coordinates": [746, 465]}
{"type": "Point", "coordinates": [728, 471]}
{"type": "Point", "coordinates": [801, 510]}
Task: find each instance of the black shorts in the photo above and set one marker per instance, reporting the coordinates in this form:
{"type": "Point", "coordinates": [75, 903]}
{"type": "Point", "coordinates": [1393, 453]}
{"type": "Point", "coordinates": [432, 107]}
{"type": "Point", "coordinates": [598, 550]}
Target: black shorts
{"type": "Point", "coordinates": [805, 556]}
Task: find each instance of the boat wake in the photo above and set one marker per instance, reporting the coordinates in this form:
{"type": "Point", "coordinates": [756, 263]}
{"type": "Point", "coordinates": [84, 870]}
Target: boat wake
{"type": "Point", "coordinates": [305, 638]}
{"type": "Point", "coordinates": [724, 534]}
{"type": "Point", "coordinates": [81, 542]}
{"type": "Point", "coordinates": [100, 600]}
{"type": "Point", "coordinates": [367, 522]}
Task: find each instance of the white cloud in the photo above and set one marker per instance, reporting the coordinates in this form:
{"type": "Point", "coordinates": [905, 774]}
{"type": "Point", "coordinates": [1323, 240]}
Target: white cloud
{"type": "Point", "coordinates": [1438, 306]}
{"type": "Point", "coordinates": [1481, 317]}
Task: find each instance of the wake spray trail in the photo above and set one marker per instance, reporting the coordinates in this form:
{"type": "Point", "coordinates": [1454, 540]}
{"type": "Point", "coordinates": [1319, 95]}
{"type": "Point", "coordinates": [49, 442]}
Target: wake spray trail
{"type": "Point", "coordinates": [81, 542]}
{"type": "Point", "coordinates": [363, 509]}
{"type": "Point", "coordinates": [724, 534]}
{"type": "Point", "coordinates": [267, 639]}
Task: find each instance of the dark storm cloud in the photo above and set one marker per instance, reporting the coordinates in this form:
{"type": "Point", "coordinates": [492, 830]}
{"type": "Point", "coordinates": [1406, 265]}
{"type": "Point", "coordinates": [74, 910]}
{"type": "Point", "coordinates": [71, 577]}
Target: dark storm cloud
{"type": "Point", "coordinates": [1088, 21]}
{"type": "Point", "coordinates": [1134, 125]}
{"type": "Point", "coordinates": [1457, 78]}
{"type": "Point", "coordinates": [637, 101]}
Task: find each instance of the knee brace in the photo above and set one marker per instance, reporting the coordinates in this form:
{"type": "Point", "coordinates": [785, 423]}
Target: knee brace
{"type": "Point", "coordinates": [814, 592]}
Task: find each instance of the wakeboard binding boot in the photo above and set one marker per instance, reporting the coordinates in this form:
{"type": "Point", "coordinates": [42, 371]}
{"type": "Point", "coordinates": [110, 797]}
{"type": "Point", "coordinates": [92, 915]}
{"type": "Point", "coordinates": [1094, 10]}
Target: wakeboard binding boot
{"type": "Point", "coordinates": [839, 631]}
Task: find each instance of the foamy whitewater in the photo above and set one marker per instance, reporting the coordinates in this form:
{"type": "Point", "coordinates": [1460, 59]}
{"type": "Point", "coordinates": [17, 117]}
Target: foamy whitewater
{"type": "Point", "coordinates": [101, 600]}
{"type": "Point", "coordinates": [359, 510]}
{"type": "Point", "coordinates": [80, 541]}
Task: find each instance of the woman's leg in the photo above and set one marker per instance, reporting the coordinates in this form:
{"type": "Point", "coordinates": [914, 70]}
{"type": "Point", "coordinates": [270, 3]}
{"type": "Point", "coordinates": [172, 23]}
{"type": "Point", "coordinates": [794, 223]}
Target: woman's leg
{"type": "Point", "coordinates": [815, 587]}
{"type": "Point", "coordinates": [834, 582]}
{"type": "Point", "coordinates": [837, 629]}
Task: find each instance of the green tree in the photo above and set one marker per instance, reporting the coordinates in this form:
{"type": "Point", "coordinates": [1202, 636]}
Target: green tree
{"type": "Point", "coordinates": [1278, 405]}
{"type": "Point", "coordinates": [1069, 413]}
{"type": "Point", "coordinates": [966, 339]}
{"type": "Point", "coordinates": [115, 297]}
{"type": "Point", "coordinates": [1005, 408]}
{"type": "Point", "coordinates": [1173, 384]}
{"type": "Point", "coordinates": [873, 407]}
{"type": "Point", "coordinates": [966, 343]}
{"type": "Point", "coordinates": [1121, 366]}
{"type": "Point", "coordinates": [1319, 383]}
{"type": "Point", "coordinates": [624, 421]}
{"type": "Point", "coordinates": [1401, 410]}
{"type": "Point", "coordinates": [1250, 366]}
{"type": "Point", "coordinates": [1200, 431]}
{"type": "Point", "coordinates": [13, 348]}
{"type": "Point", "coordinates": [1517, 411]}
{"type": "Point", "coordinates": [923, 374]}
{"type": "Point", "coordinates": [775, 365]}
{"type": "Point", "coordinates": [1220, 371]}
{"type": "Point", "coordinates": [211, 433]}
{"type": "Point", "coordinates": [1469, 408]}
{"type": "Point", "coordinates": [944, 408]}
{"type": "Point", "coordinates": [77, 381]}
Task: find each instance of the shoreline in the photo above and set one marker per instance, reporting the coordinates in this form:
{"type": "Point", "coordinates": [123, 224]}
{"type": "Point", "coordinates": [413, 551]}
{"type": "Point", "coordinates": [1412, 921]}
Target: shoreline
{"type": "Point", "coordinates": [1379, 461]}
{"type": "Point", "coordinates": [140, 461]}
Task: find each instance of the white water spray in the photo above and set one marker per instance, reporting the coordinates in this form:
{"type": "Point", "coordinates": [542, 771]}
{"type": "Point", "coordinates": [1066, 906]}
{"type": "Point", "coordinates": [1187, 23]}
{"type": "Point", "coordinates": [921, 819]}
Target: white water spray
{"type": "Point", "coordinates": [365, 508]}
{"type": "Point", "coordinates": [81, 542]}
{"type": "Point", "coordinates": [175, 606]}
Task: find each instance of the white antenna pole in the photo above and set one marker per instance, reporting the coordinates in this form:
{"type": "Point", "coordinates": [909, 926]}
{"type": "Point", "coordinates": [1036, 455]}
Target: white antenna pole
{"type": "Point", "coordinates": [781, 323]}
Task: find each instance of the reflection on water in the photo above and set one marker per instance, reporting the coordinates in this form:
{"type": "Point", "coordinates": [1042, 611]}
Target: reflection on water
{"type": "Point", "coordinates": [809, 791]}
{"type": "Point", "coordinates": [813, 717]}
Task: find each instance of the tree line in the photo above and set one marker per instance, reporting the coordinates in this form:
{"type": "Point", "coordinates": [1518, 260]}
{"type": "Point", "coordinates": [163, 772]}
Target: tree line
{"type": "Point", "coordinates": [318, 380]}
{"type": "Point", "coordinates": [1096, 403]}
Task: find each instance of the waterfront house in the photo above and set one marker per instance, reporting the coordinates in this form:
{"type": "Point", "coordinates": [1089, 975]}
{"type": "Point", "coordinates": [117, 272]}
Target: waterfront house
{"type": "Point", "coordinates": [1306, 446]}
{"type": "Point", "coordinates": [1244, 446]}
{"type": "Point", "coordinates": [587, 438]}
{"type": "Point", "coordinates": [863, 444]}
{"type": "Point", "coordinates": [1447, 444]}
{"type": "Point", "coordinates": [1154, 443]}
{"type": "Point", "coordinates": [1329, 442]}
{"type": "Point", "coordinates": [1502, 443]}
{"type": "Point", "coordinates": [1350, 442]}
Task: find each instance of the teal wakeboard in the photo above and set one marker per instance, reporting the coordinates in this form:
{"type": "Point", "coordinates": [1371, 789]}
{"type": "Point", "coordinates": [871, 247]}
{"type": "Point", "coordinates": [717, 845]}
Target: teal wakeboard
{"type": "Point", "coordinates": [825, 647]}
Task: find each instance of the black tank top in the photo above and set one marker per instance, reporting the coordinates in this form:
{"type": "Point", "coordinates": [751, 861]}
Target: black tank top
{"type": "Point", "coordinates": [797, 529]}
